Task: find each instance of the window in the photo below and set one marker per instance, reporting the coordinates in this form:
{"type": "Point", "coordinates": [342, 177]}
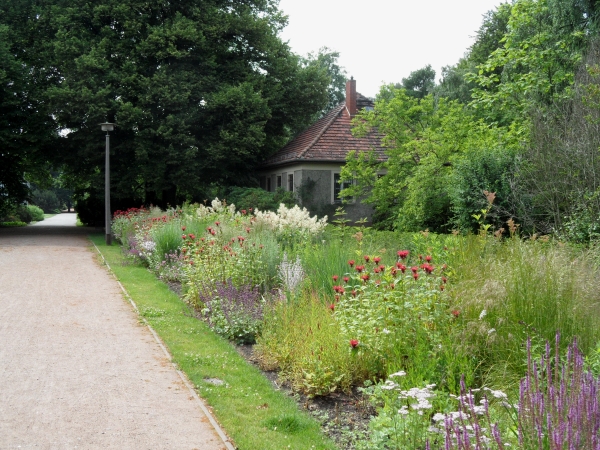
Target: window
{"type": "Point", "coordinates": [278, 181]}
{"type": "Point", "coordinates": [337, 187]}
{"type": "Point", "coordinates": [291, 182]}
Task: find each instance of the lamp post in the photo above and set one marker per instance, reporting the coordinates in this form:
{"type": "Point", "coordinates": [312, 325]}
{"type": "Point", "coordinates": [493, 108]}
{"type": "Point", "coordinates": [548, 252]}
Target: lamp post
{"type": "Point", "coordinates": [107, 127]}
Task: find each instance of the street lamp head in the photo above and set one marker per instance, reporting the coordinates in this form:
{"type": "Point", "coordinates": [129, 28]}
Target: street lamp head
{"type": "Point", "coordinates": [107, 126]}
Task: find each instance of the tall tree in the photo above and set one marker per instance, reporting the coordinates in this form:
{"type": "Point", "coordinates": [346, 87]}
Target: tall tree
{"type": "Point", "coordinates": [26, 129]}
{"type": "Point", "coordinates": [327, 60]}
{"type": "Point", "coordinates": [419, 83]}
{"type": "Point", "coordinates": [200, 90]}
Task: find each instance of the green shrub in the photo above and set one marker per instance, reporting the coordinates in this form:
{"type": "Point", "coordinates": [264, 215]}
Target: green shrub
{"type": "Point", "coordinates": [37, 214]}
{"type": "Point", "coordinates": [257, 198]}
{"type": "Point", "coordinates": [46, 199]}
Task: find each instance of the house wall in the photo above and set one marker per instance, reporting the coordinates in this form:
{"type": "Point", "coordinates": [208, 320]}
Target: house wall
{"type": "Point", "coordinates": [313, 185]}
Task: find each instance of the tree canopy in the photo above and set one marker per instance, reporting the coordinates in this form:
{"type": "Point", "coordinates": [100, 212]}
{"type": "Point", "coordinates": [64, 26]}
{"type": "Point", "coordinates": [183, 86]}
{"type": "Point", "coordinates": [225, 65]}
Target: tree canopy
{"type": "Point", "coordinates": [200, 90]}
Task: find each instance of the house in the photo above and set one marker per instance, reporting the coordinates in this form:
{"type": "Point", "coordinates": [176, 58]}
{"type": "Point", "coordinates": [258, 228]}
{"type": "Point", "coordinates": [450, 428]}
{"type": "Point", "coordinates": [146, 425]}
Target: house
{"type": "Point", "coordinates": [310, 164]}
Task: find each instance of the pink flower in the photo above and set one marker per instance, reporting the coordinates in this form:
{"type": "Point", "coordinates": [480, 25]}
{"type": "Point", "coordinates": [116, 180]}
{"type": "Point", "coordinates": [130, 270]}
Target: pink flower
{"type": "Point", "coordinates": [354, 343]}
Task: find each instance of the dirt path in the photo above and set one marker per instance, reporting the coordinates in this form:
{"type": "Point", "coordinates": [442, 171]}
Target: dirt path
{"type": "Point", "coordinates": [77, 370]}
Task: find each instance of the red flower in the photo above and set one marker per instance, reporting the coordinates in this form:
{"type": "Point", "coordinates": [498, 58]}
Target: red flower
{"type": "Point", "coordinates": [392, 286]}
{"type": "Point", "coordinates": [365, 277]}
{"type": "Point", "coordinates": [401, 266]}
{"type": "Point", "coordinates": [192, 262]}
{"type": "Point", "coordinates": [354, 293]}
{"type": "Point", "coordinates": [456, 313]}
{"type": "Point", "coordinates": [376, 270]}
{"type": "Point", "coordinates": [354, 343]}
{"type": "Point", "coordinates": [382, 268]}
{"type": "Point", "coordinates": [248, 230]}
{"type": "Point", "coordinates": [415, 276]}
{"type": "Point", "coordinates": [192, 236]}
{"type": "Point", "coordinates": [376, 260]}
{"type": "Point", "coordinates": [367, 258]}
{"type": "Point", "coordinates": [442, 287]}
{"type": "Point", "coordinates": [183, 228]}
{"type": "Point", "coordinates": [183, 236]}
{"type": "Point", "coordinates": [420, 257]}
{"type": "Point", "coordinates": [444, 280]}
{"type": "Point", "coordinates": [414, 269]}
{"type": "Point", "coordinates": [403, 254]}
{"type": "Point", "coordinates": [244, 212]}
{"type": "Point", "coordinates": [217, 223]}
{"type": "Point", "coordinates": [335, 277]}
{"type": "Point", "coordinates": [394, 271]}
{"type": "Point", "coordinates": [332, 307]}
{"type": "Point", "coordinates": [359, 269]}
{"type": "Point", "coordinates": [351, 262]}
{"type": "Point", "coordinates": [346, 279]}
{"type": "Point", "coordinates": [428, 258]}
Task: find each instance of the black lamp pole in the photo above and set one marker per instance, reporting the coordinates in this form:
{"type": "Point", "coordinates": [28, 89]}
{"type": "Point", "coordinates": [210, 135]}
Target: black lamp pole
{"type": "Point", "coordinates": [107, 127]}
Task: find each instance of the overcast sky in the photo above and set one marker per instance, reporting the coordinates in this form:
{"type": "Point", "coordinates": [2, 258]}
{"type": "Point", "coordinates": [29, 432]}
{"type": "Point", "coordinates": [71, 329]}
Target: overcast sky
{"type": "Point", "coordinates": [382, 41]}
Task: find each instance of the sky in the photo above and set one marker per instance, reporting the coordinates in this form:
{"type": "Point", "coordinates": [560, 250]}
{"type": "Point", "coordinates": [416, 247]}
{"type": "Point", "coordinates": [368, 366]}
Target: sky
{"type": "Point", "coordinates": [382, 41]}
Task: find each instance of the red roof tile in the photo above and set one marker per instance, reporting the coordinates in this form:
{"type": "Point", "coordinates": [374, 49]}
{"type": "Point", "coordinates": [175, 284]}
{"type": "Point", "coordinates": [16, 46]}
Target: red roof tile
{"type": "Point", "coordinates": [329, 139]}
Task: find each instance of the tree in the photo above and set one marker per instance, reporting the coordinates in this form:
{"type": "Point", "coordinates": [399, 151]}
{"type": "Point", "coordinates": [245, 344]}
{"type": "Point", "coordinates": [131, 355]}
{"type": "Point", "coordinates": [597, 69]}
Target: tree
{"type": "Point", "coordinates": [200, 90]}
{"type": "Point", "coordinates": [26, 132]}
{"type": "Point", "coordinates": [419, 83]}
{"type": "Point", "coordinates": [327, 60]}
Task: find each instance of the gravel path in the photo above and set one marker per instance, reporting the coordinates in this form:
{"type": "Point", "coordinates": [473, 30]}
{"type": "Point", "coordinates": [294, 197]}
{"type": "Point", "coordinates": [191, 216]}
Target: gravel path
{"type": "Point", "coordinates": [77, 370]}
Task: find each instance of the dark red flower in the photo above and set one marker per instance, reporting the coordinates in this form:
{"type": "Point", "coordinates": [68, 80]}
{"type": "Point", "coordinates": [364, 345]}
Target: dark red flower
{"type": "Point", "coordinates": [367, 258]}
{"type": "Point", "coordinates": [414, 269]}
{"type": "Point", "coordinates": [376, 260]}
{"type": "Point", "coordinates": [376, 270]}
{"type": "Point", "coordinates": [359, 269]}
{"type": "Point", "coordinates": [346, 279]}
{"type": "Point", "coordinates": [217, 223]}
{"type": "Point", "coordinates": [354, 343]}
{"type": "Point", "coordinates": [183, 236]}
{"type": "Point", "coordinates": [183, 228]}
{"type": "Point", "coordinates": [428, 258]}
{"type": "Point", "coordinates": [403, 254]}
{"type": "Point", "coordinates": [332, 307]}
{"type": "Point", "coordinates": [335, 277]}
{"type": "Point", "coordinates": [415, 276]}
{"type": "Point", "coordinates": [351, 262]}
{"type": "Point", "coordinates": [381, 268]}
{"type": "Point", "coordinates": [444, 280]}
{"type": "Point", "coordinates": [442, 287]}
{"type": "Point", "coordinates": [365, 277]}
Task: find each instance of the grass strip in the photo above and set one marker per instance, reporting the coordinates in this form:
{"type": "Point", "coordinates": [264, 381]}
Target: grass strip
{"type": "Point", "coordinates": [253, 413]}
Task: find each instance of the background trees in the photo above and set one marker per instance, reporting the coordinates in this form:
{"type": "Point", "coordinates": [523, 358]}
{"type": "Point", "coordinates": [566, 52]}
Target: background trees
{"type": "Point", "coordinates": [511, 117]}
{"type": "Point", "coordinates": [200, 91]}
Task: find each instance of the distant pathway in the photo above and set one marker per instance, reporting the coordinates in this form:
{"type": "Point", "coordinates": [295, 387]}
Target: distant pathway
{"type": "Point", "coordinates": [77, 370]}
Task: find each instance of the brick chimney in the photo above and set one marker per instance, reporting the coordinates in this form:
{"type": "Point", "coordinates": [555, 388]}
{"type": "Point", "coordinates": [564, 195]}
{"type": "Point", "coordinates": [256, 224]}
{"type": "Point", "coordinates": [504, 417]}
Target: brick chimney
{"type": "Point", "coordinates": [351, 96]}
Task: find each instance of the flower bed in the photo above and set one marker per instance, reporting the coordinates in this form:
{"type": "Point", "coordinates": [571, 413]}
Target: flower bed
{"type": "Point", "coordinates": [412, 320]}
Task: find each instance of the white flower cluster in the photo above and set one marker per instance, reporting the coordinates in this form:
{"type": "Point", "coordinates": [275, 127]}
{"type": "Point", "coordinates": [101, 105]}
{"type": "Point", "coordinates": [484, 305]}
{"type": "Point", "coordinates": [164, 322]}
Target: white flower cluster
{"type": "Point", "coordinates": [291, 219]}
{"type": "Point", "coordinates": [291, 273]}
{"type": "Point", "coordinates": [216, 207]}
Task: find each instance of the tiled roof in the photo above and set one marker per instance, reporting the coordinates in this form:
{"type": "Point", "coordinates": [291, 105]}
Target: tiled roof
{"type": "Point", "coordinates": [329, 139]}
